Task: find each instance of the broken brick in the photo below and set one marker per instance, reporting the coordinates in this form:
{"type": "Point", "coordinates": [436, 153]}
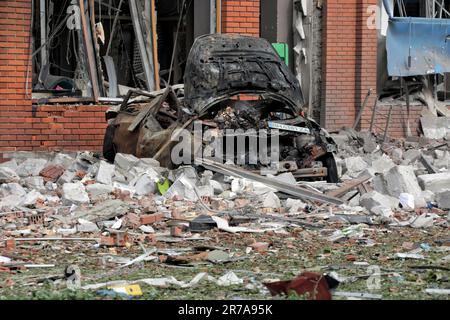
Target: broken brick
{"type": "Point", "coordinates": [119, 239]}
{"type": "Point", "coordinates": [36, 218]}
{"type": "Point", "coordinates": [260, 246]}
{"type": "Point", "coordinates": [52, 172]}
{"type": "Point", "coordinates": [218, 204]}
{"type": "Point", "coordinates": [206, 199]}
{"type": "Point", "coordinates": [4, 269]}
{"type": "Point", "coordinates": [152, 218]}
{"type": "Point", "coordinates": [182, 259]}
{"type": "Point", "coordinates": [241, 202]}
{"type": "Point", "coordinates": [80, 174]}
{"type": "Point", "coordinates": [146, 238]}
{"type": "Point", "coordinates": [123, 195]}
{"type": "Point", "coordinates": [107, 241]}
{"type": "Point", "coordinates": [176, 231]}
{"type": "Point", "coordinates": [150, 238]}
{"type": "Point", "coordinates": [350, 257]}
{"type": "Point", "coordinates": [133, 219]}
{"type": "Point", "coordinates": [176, 214]}
{"type": "Point", "coordinates": [10, 244]}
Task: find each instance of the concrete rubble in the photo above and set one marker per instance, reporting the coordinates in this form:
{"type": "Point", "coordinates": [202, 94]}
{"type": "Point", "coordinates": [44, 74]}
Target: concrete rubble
{"type": "Point", "coordinates": [347, 209]}
{"type": "Point", "coordinates": [134, 203]}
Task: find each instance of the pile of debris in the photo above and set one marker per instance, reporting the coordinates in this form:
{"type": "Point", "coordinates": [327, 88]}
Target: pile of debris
{"type": "Point", "coordinates": [405, 176]}
{"type": "Point", "coordinates": [133, 203]}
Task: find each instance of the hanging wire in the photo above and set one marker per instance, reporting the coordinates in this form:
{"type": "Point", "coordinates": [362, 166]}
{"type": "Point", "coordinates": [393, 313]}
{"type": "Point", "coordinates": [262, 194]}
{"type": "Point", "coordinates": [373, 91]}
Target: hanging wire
{"type": "Point", "coordinates": [61, 68]}
{"type": "Point", "coordinates": [176, 37]}
{"type": "Point", "coordinates": [135, 80]}
{"type": "Point", "coordinates": [60, 15]}
{"type": "Point", "coordinates": [68, 52]}
{"type": "Point", "coordinates": [111, 34]}
{"type": "Point", "coordinates": [50, 38]}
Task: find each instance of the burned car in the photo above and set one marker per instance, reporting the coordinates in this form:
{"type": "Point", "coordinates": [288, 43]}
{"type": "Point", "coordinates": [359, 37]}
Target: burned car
{"type": "Point", "coordinates": [232, 83]}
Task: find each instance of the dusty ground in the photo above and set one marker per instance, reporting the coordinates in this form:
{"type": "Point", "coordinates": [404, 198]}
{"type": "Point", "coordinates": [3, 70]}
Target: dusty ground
{"type": "Point", "coordinates": [290, 254]}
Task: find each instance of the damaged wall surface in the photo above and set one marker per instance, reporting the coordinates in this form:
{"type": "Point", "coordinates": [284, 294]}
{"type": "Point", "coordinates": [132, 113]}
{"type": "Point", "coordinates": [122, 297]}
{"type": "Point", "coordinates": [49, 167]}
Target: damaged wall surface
{"type": "Point", "coordinates": [347, 68]}
{"type": "Point", "coordinates": [15, 64]}
{"type": "Point", "coordinates": [25, 126]}
{"type": "Point", "coordinates": [350, 69]}
{"type": "Point", "coordinates": [308, 42]}
{"type": "Point", "coordinates": [349, 60]}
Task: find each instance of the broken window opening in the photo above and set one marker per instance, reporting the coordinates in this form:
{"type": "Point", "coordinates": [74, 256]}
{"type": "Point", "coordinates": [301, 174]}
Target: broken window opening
{"type": "Point", "coordinates": [61, 67]}
{"type": "Point", "coordinates": [59, 55]}
{"type": "Point", "coordinates": [423, 89]}
{"type": "Point", "coordinates": [110, 48]}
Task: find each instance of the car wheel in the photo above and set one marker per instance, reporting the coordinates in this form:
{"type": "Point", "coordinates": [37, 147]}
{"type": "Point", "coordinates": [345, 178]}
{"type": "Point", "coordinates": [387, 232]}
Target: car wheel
{"type": "Point", "coordinates": [109, 149]}
{"type": "Point", "coordinates": [329, 162]}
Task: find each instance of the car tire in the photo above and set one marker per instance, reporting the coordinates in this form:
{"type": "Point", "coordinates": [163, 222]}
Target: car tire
{"type": "Point", "coordinates": [109, 149]}
{"type": "Point", "coordinates": [329, 162]}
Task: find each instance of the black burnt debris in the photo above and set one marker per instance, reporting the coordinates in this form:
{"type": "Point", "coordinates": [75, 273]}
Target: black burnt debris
{"type": "Point", "coordinates": [272, 103]}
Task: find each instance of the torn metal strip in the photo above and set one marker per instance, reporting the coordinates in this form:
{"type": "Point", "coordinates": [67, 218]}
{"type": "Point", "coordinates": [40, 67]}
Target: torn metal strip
{"type": "Point", "coordinates": [278, 185]}
{"type": "Point", "coordinates": [112, 76]}
{"type": "Point", "coordinates": [417, 46]}
{"type": "Point", "coordinates": [281, 126]}
{"type": "Point", "coordinates": [148, 70]}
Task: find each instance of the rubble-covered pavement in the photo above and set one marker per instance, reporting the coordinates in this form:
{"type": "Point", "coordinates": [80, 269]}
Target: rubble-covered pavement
{"type": "Point", "coordinates": [76, 226]}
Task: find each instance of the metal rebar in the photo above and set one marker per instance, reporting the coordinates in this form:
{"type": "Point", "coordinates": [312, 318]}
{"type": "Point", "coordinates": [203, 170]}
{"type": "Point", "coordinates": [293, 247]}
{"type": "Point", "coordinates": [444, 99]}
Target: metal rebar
{"type": "Point", "coordinates": [374, 111]}
{"type": "Point", "coordinates": [113, 31]}
{"type": "Point", "coordinates": [388, 121]}
{"type": "Point", "coordinates": [361, 110]}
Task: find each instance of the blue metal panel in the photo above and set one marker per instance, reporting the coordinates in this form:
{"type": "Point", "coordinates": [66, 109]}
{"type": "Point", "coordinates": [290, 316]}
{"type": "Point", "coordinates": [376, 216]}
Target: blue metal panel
{"type": "Point", "coordinates": [417, 46]}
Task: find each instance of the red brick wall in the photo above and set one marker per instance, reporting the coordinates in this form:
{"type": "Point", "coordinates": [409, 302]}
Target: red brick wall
{"type": "Point", "coordinates": [349, 69]}
{"type": "Point", "coordinates": [397, 126]}
{"type": "Point", "coordinates": [241, 17]}
{"type": "Point", "coordinates": [52, 127]}
{"type": "Point", "coordinates": [65, 127]}
{"type": "Point", "coordinates": [15, 103]}
{"type": "Point", "coordinates": [349, 60]}
{"type": "Point", "coordinates": [24, 127]}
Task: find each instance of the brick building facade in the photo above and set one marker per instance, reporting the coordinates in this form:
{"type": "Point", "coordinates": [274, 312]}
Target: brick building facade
{"type": "Point", "coordinates": [241, 17]}
{"type": "Point", "coordinates": [349, 69]}
{"type": "Point", "coordinates": [25, 126]}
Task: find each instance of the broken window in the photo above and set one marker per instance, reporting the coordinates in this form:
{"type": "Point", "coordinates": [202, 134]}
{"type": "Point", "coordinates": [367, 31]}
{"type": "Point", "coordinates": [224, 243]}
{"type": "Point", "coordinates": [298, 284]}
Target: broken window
{"type": "Point", "coordinates": [89, 49]}
{"type": "Point", "coordinates": [429, 86]}
{"type": "Point", "coordinates": [59, 54]}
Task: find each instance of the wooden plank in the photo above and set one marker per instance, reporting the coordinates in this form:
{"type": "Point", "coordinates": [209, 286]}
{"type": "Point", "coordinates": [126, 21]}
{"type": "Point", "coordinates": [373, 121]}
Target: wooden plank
{"type": "Point", "coordinates": [155, 46]}
{"type": "Point", "coordinates": [348, 186]}
{"type": "Point", "coordinates": [90, 53]}
{"type": "Point", "coordinates": [143, 113]}
{"type": "Point", "coordinates": [218, 16]}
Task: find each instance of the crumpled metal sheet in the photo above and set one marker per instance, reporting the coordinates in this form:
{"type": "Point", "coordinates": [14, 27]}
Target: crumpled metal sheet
{"type": "Point", "coordinates": [222, 65]}
{"type": "Point", "coordinates": [313, 284]}
{"type": "Point", "coordinates": [417, 46]}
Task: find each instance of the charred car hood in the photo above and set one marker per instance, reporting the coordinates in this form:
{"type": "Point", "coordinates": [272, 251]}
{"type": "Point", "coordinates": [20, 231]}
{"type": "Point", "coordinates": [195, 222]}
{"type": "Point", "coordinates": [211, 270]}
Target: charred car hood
{"type": "Point", "coordinates": [222, 65]}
